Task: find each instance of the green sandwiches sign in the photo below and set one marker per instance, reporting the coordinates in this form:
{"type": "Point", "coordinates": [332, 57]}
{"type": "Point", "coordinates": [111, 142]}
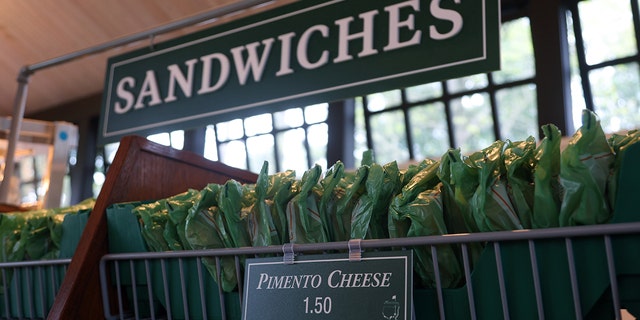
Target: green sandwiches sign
{"type": "Point", "coordinates": [330, 286]}
{"type": "Point", "coordinates": [304, 53]}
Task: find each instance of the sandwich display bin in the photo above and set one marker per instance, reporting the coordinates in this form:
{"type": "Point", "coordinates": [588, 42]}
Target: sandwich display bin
{"type": "Point", "coordinates": [578, 272]}
{"type": "Point", "coordinates": [28, 287]}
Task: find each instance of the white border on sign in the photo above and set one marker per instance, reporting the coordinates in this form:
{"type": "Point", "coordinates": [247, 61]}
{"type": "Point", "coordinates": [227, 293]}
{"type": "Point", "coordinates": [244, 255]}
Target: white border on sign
{"type": "Point", "coordinates": [405, 258]}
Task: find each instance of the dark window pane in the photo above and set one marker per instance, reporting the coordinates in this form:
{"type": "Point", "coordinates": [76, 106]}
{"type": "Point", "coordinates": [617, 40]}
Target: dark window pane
{"type": "Point", "coordinates": [516, 52]}
{"type": "Point", "coordinates": [424, 92]}
{"type": "Point", "coordinates": [607, 29]}
{"type": "Point", "coordinates": [389, 139]}
{"type": "Point", "coordinates": [429, 131]}
{"type": "Point", "coordinates": [289, 118]}
{"type": "Point", "coordinates": [234, 154]}
{"type": "Point", "coordinates": [384, 100]}
{"type": "Point", "coordinates": [291, 151]}
{"type": "Point", "coordinates": [473, 123]}
{"type": "Point", "coordinates": [316, 113]}
{"type": "Point", "coordinates": [229, 130]}
{"type": "Point", "coordinates": [261, 149]}
{"type": "Point", "coordinates": [473, 82]}
{"type": "Point", "coordinates": [616, 96]}
{"type": "Point", "coordinates": [318, 137]}
{"type": "Point", "coordinates": [258, 124]}
{"type": "Point", "coordinates": [517, 112]}
{"type": "Point", "coordinates": [210, 144]}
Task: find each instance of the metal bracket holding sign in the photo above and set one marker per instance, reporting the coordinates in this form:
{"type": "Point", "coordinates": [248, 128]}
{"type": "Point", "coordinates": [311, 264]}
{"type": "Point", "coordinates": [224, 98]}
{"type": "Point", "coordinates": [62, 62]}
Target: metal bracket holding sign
{"type": "Point", "coordinates": [330, 286]}
{"type": "Point", "coordinates": [303, 53]}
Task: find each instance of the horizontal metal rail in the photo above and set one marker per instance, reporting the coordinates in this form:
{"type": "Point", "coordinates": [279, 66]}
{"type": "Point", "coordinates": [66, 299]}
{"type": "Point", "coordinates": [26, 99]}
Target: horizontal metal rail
{"type": "Point", "coordinates": [516, 235]}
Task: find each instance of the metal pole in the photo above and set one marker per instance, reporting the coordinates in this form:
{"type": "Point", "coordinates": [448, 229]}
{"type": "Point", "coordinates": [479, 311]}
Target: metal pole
{"type": "Point", "coordinates": [14, 134]}
{"type": "Point", "coordinates": [27, 71]}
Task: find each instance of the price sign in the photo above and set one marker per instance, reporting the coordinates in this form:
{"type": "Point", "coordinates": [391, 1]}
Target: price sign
{"type": "Point", "coordinates": [329, 286]}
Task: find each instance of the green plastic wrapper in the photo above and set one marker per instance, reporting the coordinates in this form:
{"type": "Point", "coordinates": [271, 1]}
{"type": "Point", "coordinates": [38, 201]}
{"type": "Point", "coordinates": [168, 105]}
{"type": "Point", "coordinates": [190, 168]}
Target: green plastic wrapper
{"type": "Point", "coordinates": [177, 210]}
{"type": "Point", "coordinates": [354, 187]}
{"type": "Point", "coordinates": [492, 209]}
{"type": "Point", "coordinates": [546, 176]}
{"type": "Point", "coordinates": [260, 222]}
{"type": "Point", "coordinates": [421, 181]}
{"type": "Point", "coordinates": [458, 183]}
{"type": "Point", "coordinates": [278, 194]}
{"type": "Point", "coordinates": [426, 215]}
{"type": "Point", "coordinates": [305, 224]}
{"type": "Point", "coordinates": [329, 198]}
{"type": "Point", "coordinates": [584, 169]}
{"type": "Point", "coordinates": [619, 143]}
{"type": "Point", "coordinates": [204, 229]}
{"type": "Point", "coordinates": [285, 187]}
{"type": "Point", "coordinates": [460, 179]}
{"type": "Point", "coordinates": [369, 218]}
{"type": "Point", "coordinates": [519, 162]}
{"type": "Point", "coordinates": [363, 211]}
{"type": "Point", "coordinates": [232, 204]}
{"type": "Point", "coordinates": [154, 217]}
{"type": "Point", "coordinates": [413, 169]}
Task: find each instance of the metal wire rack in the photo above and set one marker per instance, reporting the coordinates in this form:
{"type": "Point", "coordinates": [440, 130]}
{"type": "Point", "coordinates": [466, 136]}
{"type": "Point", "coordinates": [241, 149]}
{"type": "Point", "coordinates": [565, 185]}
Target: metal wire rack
{"type": "Point", "coordinates": [28, 288]}
{"type": "Point", "coordinates": [598, 266]}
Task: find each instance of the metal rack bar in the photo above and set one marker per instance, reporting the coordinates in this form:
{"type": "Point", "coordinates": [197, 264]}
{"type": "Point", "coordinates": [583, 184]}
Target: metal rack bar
{"type": "Point", "coordinates": [612, 277]}
{"type": "Point", "coordinates": [536, 279]}
{"type": "Point", "coordinates": [573, 277]}
{"type": "Point", "coordinates": [501, 282]}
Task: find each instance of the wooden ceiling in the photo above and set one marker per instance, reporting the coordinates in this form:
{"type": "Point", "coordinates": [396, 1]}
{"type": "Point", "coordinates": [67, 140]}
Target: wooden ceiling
{"type": "Point", "coordinates": [35, 31]}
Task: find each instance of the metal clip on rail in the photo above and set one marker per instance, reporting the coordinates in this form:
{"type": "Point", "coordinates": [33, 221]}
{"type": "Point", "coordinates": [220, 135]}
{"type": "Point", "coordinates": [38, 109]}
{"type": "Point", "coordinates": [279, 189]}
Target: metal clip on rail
{"type": "Point", "coordinates": [289, 255]}
{"type": "Point", "coordinates": [355, 250]}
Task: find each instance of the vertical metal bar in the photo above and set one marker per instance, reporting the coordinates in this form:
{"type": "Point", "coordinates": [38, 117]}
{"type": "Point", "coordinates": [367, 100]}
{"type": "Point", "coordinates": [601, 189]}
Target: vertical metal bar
{"type": "Point", "coordinates": [119, 289]}
{"type": "Point", "coordinates": [103, 286]}
{"type": "Point", "coordinates": [54, 281]}
{"type": "Point", "coordinates": [467, 276]}
{"type": "Point", "coordinates": [501, 283]}
{"type": "Point", "coordinates": [17, 277]}
{"type": "Point", "coordinates": [183, 288]}
{"type": "Point", "coordinates": [29, 290]}
{"type": "Point", "coordinates": [536, 279]}
{"type": "Point", "coordinates": [612, 277]}
{"type": "Point", "coordinates": [147, 271]}
{"type": "Point", "coordinates": [134, 289]}
{"type": "Point", "coordinates": [223, 307]}
{"type": "Point", "coordinates": [165, 284]}
{"type": "Point", "coordinates": [239, 277]}
{"type": "Point", "coordinates": [574, 278]}
{"type": "Point", "coordinates": [436, 272]}
{"type": "Point", "coordinates": [43, 301]}
{"type": "Point", "coordinates": [203, 301]}
{"type": "Point", "coordinates": [14, 134]}
{"type": "Point", "coordinates": [5, 291]}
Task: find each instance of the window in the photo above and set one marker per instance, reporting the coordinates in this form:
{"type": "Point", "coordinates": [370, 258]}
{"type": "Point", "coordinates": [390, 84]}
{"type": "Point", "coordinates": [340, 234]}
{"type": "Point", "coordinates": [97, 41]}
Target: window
{"type": "Point", "coordinates": [293, 139]}
{"type": "Point", "coordinates": [470, 112]}
{"type": "Point", "coordinates": [604, 61]}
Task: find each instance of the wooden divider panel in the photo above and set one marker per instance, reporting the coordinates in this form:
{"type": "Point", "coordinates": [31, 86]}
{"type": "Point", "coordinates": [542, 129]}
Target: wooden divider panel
{"type": "Point", "coordinates": [141, 170]}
